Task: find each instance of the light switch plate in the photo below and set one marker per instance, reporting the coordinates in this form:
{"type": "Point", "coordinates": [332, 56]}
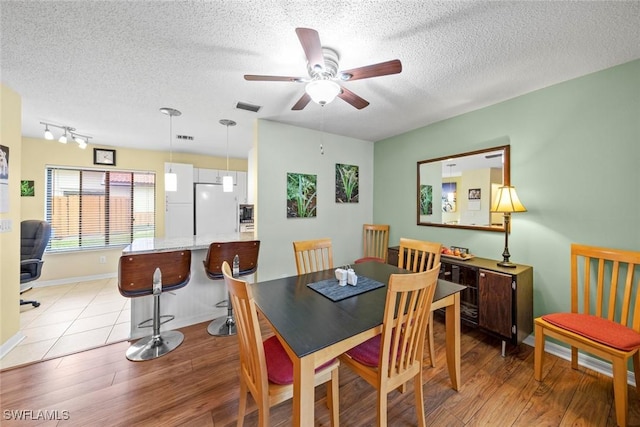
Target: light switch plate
{"type": "Point", "coordinates": [5, 225]}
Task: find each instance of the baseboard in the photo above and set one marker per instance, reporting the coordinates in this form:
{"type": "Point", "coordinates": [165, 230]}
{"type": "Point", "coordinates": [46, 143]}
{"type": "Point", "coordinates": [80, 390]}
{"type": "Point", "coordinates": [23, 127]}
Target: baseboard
{"type": "Point", "coordinates": [67, 280]}
{"type": "Point", "coordinates": [11, 343]}
{"type": "Point", "coordinates": [585, 360]}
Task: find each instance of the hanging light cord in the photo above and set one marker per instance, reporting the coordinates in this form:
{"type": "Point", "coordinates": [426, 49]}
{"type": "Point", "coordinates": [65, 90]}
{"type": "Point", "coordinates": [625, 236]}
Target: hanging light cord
{"type": "Point", "coordinates": [227, 148]}
{"type": "Point", "coordinates": [170, 142]}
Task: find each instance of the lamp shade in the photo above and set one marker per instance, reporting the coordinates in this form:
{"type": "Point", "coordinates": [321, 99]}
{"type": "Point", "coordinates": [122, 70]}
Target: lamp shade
{"type": "Point", "coordinates": [322, 91]}
{"type": "Point", "coordinates": [170, 181]}
{"type": "Point", "coordinates": [507, 200]}
{"type": "Point", "coordinates": [227, 184]}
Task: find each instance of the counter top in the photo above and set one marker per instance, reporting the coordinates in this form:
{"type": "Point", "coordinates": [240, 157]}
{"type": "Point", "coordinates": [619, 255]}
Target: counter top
{"type": "Point", "coordinates": [161, 244]}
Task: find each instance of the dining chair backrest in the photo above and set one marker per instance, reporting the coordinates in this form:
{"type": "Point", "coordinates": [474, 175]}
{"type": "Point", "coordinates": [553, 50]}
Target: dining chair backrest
{"type": "Point", "coordinates": [418, 255]}
{"type": "Point", "coordinates": [375, 241]}
{"type": "Point", "coordinates": [400, 347]}
{"type": "Point", "coordinates": [401, 353]}
{"type": "Point", "coordinates": [253, 363]}
{"type": "Point", "coordinates": [313, 255]}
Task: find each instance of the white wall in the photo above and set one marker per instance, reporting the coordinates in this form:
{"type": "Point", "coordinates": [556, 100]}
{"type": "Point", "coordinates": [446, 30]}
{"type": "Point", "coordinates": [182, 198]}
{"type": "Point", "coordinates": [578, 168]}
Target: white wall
{"type": "Point", "coordinates": [280, 149]}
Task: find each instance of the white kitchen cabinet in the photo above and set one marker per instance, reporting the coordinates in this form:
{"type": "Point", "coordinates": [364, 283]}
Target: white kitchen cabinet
{"type": "Point", "coordinates": [184, 174]}
{"type": "Point", "coordinates": [241, 186]}
{"type": "Point", "coordinates": [178, 220]}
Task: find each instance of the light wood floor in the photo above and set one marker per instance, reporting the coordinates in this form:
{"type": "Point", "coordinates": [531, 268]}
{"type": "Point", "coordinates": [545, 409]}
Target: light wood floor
{"type": "Point", "coordinates": [197, 385]}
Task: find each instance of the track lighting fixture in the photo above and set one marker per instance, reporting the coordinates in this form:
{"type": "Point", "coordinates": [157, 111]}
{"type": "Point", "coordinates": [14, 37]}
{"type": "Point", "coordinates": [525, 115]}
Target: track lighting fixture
{"type": "Point", "coordinates": [69, 133]}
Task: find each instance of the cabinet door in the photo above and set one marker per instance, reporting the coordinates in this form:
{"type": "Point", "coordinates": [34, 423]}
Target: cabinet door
{"type": "Point", "coordinates": [184, 174]}
{"type": "Point", "coordinates": [495, 302]}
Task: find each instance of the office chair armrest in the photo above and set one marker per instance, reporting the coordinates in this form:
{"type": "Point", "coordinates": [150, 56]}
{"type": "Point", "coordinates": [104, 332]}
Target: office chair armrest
{"type": "Point", "coordinates": [33, 266]}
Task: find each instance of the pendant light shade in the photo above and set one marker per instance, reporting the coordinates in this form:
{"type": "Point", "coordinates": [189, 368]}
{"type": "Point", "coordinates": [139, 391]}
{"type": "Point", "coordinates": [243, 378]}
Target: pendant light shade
{"type": "Point", "coordinates": [227, 180]}
{"type": "Point", "coordinates": [227, 184]}
{"type": "Point", "coordinates": [170, 178]}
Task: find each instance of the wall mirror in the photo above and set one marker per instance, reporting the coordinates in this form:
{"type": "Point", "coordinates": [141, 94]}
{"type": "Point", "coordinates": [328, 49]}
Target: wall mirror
{"type": "Point", "coordinates": [457, 191]}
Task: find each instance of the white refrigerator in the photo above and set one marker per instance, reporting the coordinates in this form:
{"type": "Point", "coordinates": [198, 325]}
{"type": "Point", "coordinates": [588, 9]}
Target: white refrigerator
{"type": "Point", "coordinates": [216, 212]}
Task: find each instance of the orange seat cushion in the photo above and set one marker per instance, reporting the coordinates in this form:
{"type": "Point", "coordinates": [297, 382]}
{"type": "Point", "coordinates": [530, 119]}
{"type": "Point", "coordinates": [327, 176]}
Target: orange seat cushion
{"type": "Point", "coordinates": [597, 329]}
{"type": "Point", "coordinates": [369, 258]}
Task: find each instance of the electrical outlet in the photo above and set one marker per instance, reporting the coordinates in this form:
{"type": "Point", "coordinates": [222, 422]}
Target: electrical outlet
{"type": "Point", "coordinates": [103, 259]}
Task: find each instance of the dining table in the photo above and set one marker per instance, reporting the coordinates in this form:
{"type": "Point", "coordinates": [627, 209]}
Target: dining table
{"type": "Point", "coordinates": [315, 329]}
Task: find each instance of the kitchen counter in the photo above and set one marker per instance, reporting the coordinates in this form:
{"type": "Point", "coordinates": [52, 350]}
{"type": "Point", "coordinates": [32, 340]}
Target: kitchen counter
{"type": "Point", "coordinates": [194, 303]}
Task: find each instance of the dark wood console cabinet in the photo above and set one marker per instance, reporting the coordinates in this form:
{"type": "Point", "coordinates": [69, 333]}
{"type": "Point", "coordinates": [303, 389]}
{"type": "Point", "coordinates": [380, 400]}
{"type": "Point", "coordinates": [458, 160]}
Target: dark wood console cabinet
{"type": "Point", "coordinates": [497, 300]}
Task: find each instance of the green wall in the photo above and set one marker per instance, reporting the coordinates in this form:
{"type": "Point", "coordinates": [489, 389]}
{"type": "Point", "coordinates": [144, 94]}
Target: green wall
{"type": "Point", "coordinates": [575, 154]}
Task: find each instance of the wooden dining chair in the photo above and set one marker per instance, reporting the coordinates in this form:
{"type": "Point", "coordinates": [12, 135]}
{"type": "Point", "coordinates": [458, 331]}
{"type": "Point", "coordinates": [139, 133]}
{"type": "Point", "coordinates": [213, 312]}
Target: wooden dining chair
{"type": "Point", "coordinates": [266, 371]}
{"type": "Point", "coordinates": [313, 255]}
{"type": "Point", "coordinates": [604, 318]}
{"type": "Point", "coordinates": [420, 255]}
{"type": "Point", "coordinates": [375, 241]}
{"type": "Point", "coordinates": [387, 361]}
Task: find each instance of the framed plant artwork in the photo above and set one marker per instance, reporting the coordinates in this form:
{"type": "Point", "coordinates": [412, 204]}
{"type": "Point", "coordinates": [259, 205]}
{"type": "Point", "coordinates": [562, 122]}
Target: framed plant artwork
{"type": "Point", "coordinates": [27, 189]}
{"type": "Point", "coordinates": [347, 181]}
{"type": "Point", "coordinates": [426, 200]}
{"type": "Point", "coordinates": [301, 195]}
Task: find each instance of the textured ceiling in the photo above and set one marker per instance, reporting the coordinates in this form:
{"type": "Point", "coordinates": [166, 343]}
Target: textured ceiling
{"type": "Point", "coordinates": [106, 68]}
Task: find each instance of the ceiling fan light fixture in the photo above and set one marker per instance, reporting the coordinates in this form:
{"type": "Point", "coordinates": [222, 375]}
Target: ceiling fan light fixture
{"type": "Point", "coordinates": [322, 92]}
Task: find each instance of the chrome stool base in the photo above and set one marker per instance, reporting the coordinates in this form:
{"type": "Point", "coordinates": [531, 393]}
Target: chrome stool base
{"type": "Point", "coordinates": [222, 327]}
{"type": "Point", "coordinates": [148, 348]}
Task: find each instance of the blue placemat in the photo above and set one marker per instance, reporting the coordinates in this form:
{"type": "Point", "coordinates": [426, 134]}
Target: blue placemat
{"type": "Point", "coordinates": [330, 288]}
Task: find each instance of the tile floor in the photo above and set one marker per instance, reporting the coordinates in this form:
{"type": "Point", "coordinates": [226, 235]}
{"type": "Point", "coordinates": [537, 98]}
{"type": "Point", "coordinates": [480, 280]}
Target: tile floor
{"type": "Point", "coordinates": [70, 318]}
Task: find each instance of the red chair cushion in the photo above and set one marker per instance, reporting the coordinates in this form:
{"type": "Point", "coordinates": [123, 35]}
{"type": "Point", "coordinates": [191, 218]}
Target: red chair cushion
{"type": "Point", "coordinates": [598, 329]}
{"type": "Point", "coordinates": [369, 258]}
{"type": "Point", "coordinates": [367, 353]}
{"type": "Point", "coordinates": [279, 366]}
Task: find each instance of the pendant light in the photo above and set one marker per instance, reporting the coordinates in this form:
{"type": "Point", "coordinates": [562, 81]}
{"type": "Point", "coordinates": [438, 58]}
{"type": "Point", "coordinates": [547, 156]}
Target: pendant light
{"type": "Point", "coordinates": [170, 178]}
{"type": "Point", "coordinates": [227, 180]}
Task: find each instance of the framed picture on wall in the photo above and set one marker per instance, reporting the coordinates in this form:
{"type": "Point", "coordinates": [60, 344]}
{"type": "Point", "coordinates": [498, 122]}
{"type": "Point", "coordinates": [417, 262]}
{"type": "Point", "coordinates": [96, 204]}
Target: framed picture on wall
{"type": "Point", "coordinates": [347, 181]}
{"type": "Point", "coordinates": [301, 195]}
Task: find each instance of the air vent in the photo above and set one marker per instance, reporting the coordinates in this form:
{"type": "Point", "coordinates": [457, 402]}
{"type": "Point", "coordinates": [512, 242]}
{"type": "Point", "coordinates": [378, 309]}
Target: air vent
{"type": "Point", "coordinates": [184, 137]}
{"type": "Point", "coordinates": [248, 107]}
{"type": "Point", "coordinates": [493, 156]}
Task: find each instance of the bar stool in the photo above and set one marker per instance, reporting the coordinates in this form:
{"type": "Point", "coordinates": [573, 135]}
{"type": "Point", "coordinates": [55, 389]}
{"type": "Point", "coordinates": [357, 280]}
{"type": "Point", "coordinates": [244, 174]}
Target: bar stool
{"type": "Point", "coordinates": [151, 274]}
{"type": "Point", "coordinates": [217, 254]}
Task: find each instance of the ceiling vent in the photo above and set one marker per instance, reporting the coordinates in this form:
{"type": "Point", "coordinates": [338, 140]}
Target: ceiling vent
{"type": "Point", "coordinates": [248, 107]}
{"type": "Point", "coordinates": [184, 137]}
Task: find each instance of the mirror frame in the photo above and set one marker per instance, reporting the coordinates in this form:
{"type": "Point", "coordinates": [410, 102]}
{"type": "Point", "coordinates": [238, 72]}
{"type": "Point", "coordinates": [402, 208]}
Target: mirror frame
{"type": "Point", "coordinates": [506, 180]}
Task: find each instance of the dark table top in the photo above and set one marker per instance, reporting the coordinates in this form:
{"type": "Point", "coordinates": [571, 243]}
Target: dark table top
{"type": "Point", "coordinates": [308, 321]}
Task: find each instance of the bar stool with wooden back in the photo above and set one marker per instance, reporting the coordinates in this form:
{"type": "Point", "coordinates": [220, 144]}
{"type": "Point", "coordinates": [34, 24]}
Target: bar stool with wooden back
{"type": "Point", "coordinates": [418, 256]}
{"type": "Point", "coordinates": [375, 240]}
{"type": "Point", "coordinates": [218, 253]}
{"type": "Point", "coordinates": [313, 255]}
{"type": "Point", "coordinates": [152, 274]}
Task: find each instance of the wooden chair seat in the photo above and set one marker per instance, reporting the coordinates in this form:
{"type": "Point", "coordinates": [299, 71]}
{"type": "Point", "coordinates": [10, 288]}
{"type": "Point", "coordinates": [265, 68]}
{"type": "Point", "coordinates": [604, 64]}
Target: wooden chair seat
{"type": "Point", "coordinates": [604, 318]}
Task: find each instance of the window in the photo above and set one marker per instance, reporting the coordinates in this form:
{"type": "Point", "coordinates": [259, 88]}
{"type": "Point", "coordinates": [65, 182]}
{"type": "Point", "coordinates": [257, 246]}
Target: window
{"type": "Point", "coordinates": [91, 209]}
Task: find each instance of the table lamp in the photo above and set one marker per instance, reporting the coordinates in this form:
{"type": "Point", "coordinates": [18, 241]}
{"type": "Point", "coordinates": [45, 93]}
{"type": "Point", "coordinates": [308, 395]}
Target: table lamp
{"type": "Point", "coordinates": [507, 201]}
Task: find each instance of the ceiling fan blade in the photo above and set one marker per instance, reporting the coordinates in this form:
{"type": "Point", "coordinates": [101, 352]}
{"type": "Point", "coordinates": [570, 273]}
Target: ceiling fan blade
{"type": "Point", "coordinates": [310, 41]}
{"type": "Point", "coordinates": [375, 70]}
{"type": "Point", "coordinates": [352, 98]}
{"type": "Point", "coordinates": [253, 77]}
{"type": "Point", "coordinates": [302, 102]}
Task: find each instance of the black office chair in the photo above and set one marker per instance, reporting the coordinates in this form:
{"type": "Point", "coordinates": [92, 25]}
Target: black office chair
{"type": "Point", "coordinates": [34, 238]}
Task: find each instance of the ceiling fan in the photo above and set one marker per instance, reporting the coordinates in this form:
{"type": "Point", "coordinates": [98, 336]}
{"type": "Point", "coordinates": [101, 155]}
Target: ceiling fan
{"type": "Point", "coordinates": [323, 83]}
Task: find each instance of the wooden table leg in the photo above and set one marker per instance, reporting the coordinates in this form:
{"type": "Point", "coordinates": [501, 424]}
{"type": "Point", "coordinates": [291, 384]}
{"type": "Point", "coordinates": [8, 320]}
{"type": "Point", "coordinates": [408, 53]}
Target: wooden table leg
{"type": "Point", "coordinates": [452, 326]}
{"type": "Point", "coordinates": [303, 392]}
